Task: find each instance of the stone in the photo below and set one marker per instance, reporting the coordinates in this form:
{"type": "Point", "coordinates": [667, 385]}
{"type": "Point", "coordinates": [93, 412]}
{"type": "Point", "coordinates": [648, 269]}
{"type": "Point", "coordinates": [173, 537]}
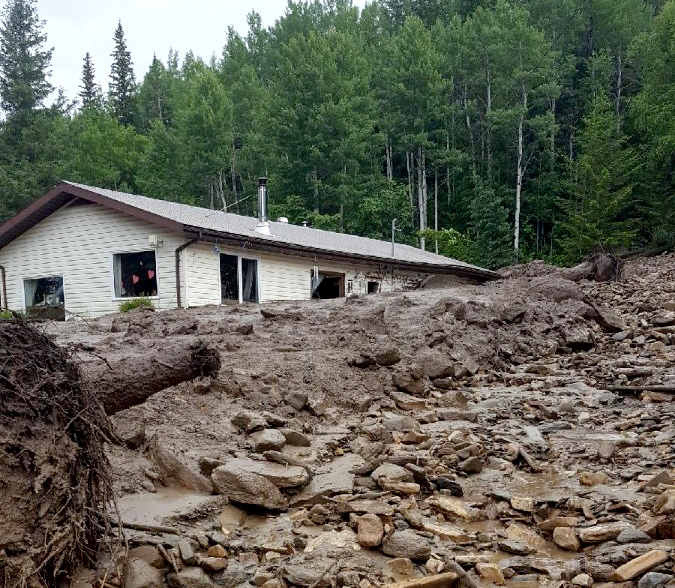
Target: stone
{"type": "Point", "coordinates": [173, 471]}
{"type": "Point", "coordinates": [296, 438]}
{"type": "Point", "coordinates": [456, 414]}
{"type": "Point", "coordinates": [407, 382]}
{"type": "Point", "coordinates": [216, 551]}
{"type": "Point", "coordinates": [245, 487]}
{"type": "Point", "coordinates": [661, 478]}
{"type": "Point", "coordinates": [387, 355]}
{"type": "Point", "coordinates": [389, 472]}
{"type": "Point", "coordinates": [213, 564]}
{"type": "Point", "coordinates": [406, 401]}
{"type": "Point", "coordinates": [582, 580]}
{"type": "Point", "coordinates": [552, 523]}
{"type": "Point", "coordinates": [302, 574]}
{"type": "Point", "coordinates": [282, 476]}
{"type": "Point", "coordinates": [296, 400]}
{"type": "Point", "coordinates": [187, 552]}
{"type": "Point", "coordinates": [491, 573]}
{"type": "Point", "coordinates": [192, 577]}
{"type": "Point", "coordinates": [522, 503]}
{"type": "Point", "coordinates": [472, 465]}
{"type": "Point", "coordinates": [606, 449]}
{"type": "Point", "coordinates": [131, 432]}
{"type": "Point", "coordinates": [370, 530]}
{"type": "Point", "coordinates": [593, 478]}
{"type": "Point", "coordinates": [566, 538]}
{"type": "Point", "coordinates": [149, 554]}
{"type": "Point", "coordinates": [633, 535]}
{"type": "Point", "coordinates": [453, 506]}
{"type": "Point", "coordinates": [654, 580]}
{"type": "Point", "coordinates": [640, 565]}
{"type": "Point", "coordinates": [399, 422]}
{"type": "Point", "coordinates": [600, 533]}
{"type": "Point", "coordinates": [408, 544]}
{"type": "Point", "coordinates": [268, 439]}
{"type": "Point", "coordinates": [526, 535]}
{"type": "Point", "coordinates": [234, 575]}
{"type": "Point", "coordinates": [402, 566]}
{"type": "Point", "coordinates": [140, 574]}
{"type": "Point", "coordinates": [208, 464]}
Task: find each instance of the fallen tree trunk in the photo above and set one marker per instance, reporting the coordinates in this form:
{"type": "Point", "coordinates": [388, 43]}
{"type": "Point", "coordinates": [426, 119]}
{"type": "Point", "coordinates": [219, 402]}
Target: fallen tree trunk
{"type": "Point", "coordinates": [602, 267]}
{"type": "Point", "coordinates": [122, 383]}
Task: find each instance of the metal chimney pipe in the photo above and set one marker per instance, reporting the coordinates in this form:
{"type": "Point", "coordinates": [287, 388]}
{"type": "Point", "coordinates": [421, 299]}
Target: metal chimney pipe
{"type": "Point", "coordinates": [263, 225]}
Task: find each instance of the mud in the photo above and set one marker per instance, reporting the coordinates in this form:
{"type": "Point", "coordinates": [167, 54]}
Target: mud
{"type": "Point", "coordinates": [505, 390]}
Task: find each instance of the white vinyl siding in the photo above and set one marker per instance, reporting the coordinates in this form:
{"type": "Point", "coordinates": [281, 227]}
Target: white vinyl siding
{"type": "Point", "coordinates": [202, 267]}
{"type": "Point", "coordinates": [285, 278]}
{"type": "Point", "coordinates": [77, 242]}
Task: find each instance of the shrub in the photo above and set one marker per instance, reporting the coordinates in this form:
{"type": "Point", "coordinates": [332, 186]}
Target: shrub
{"type": "Point", "coordinates": [136, 303]}
{"type": "Point", "coordinates": [6, 314]}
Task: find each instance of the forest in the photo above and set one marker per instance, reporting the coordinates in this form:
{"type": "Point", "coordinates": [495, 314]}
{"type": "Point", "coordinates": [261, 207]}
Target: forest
{"type": "Point", "coordinates": [493, 131]}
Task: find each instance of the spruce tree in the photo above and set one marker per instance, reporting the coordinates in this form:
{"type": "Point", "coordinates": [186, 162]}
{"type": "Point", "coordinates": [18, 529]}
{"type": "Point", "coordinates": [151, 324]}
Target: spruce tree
{"type": "Point", "coordinates": [24, 62]}
{"type": "Point", "coordinates": [122, 83]}
{"type": "Point", "coordinates": [89, 90]}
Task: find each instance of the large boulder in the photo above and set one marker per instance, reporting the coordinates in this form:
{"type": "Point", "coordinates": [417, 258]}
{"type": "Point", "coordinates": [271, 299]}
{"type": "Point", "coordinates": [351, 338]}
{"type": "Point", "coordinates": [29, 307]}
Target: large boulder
{"type": "Point", "coordinates": [408, 544]}
{"type": "Point", "coordinates": [245, 487]}
{"type": "Point", "coordinates": [140, 574]}
{"type": "Point", "coordinates": [282, 476]}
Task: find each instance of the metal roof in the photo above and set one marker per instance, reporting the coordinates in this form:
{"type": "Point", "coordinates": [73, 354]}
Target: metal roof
{"type": "Point", "coordinates": [194, 219]}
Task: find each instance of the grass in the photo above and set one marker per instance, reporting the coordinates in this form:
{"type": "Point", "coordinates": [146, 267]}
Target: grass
{"type": "Point", "coordinates": [6, 314]}
{"type": "Point", "coordinates": [136, 303]}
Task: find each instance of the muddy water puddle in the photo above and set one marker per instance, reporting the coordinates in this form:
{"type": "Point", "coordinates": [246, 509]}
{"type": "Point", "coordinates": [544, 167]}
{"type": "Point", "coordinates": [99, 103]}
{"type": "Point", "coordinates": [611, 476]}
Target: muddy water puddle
{"type": "Point", "coordinates": [155, 508]}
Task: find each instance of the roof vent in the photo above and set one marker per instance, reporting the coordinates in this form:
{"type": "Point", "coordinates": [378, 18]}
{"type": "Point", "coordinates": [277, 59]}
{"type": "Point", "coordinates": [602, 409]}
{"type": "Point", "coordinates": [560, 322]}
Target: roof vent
{"type": "Point", "coordinates": [263, 225]}
{"type": "Point", "coordinates": [282, 219]}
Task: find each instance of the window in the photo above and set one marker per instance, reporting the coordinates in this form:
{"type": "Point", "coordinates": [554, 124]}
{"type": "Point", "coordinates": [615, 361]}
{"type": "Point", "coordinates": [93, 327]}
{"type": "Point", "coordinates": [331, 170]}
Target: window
{"type": "Point", "coordinates": [44, 297]}
{"type": "Point", "coordinates": [135, 274]}
{"type": "Point", "coordinates": [238, 279]}
{"type": "Point", "coordinates": [373, 287]}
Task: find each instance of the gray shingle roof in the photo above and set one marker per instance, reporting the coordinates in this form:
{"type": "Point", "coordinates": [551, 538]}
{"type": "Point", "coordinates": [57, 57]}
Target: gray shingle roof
{"type": "Point", "coordinates": [282, 233]}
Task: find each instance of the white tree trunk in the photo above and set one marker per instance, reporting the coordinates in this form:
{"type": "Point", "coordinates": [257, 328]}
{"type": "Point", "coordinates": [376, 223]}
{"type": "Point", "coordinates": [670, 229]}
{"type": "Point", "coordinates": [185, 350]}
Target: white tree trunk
{"type": "Point", "coordinates": [619, 85]}
{"type": "Point", "coordinates": [390, 167]}
{"type": "Point", "coordinates": [421, 194]}
{"type": "Point", "coordinates": [436, 207]}
{"type": "Point", "coordinates": [488, 139]}
{"type": "Point", "coordinates": [519, 174]}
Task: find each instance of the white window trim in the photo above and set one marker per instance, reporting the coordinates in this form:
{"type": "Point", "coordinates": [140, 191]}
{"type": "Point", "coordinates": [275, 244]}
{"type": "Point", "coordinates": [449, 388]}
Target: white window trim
{"type": "Point", "coordinates": [111, 265]}
{"type": "Point", "coordinates": [24, 308]}
{"type": "Point", "coordinates": [240, 285]}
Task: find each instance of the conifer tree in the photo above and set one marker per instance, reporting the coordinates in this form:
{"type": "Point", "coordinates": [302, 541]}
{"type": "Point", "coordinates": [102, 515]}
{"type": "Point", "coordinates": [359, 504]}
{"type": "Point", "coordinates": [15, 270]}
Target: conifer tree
{"type": "Point", "coordinates": [24, 62]}
{"type": "Point", "coordinates": [122, 82]}
{"type": "Point", "coordinates": [90, 92]}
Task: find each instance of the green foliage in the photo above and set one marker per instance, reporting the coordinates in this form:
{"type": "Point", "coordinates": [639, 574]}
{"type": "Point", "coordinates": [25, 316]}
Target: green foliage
{"type": "Point", "coordinates": [135, 303]}
{"type": "Point", "coordinates": [6, 315]}
{"type": "Point", "coordinates": [452, 243]}
{"type": "Point", "coordinates": [601, 189]}
{"type": "Point", "coordinates": [427, 111]}
{"type": "Point", "coordinates": [24, 63]}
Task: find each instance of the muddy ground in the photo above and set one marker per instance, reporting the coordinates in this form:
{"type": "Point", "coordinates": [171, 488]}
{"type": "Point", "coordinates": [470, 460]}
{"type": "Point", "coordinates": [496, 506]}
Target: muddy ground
{"type": "Point", "coordinates": [506, 432]}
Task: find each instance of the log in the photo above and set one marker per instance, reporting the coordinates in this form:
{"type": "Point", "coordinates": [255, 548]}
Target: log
{"type": "Point", "coordinates": [602, 267]}
{"type": "Point", "coordinates": [128, 381]}
{"type": "Point", "coordinates": [436, 581]}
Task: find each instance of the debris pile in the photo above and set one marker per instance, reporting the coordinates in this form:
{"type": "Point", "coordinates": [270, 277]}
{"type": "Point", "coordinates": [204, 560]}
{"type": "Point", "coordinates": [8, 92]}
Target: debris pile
{"type": "Point", "coordinates": [507, 434]}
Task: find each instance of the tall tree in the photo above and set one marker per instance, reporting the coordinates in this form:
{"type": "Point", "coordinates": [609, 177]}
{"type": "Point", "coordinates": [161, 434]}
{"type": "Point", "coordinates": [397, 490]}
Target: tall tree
{"type": "Point", "coordinates": [90, 91]}
{"type": "Point", "coordinates": [24, 62]}
{"type": "Point", "coordinates": [122, 82]}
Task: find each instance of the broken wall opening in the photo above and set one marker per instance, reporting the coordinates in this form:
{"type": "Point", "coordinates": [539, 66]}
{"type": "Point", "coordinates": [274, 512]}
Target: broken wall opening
{"type": "Point", "coordinates": [330, 285]}
{"type": "Point", "coordinates": [45, 298]}
{"type": "Point", "coordinates": [135, 274]}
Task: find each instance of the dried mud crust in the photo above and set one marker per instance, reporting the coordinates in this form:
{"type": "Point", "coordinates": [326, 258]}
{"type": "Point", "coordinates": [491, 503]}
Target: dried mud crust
{"type": "Point", "coordinates": [54, 476]}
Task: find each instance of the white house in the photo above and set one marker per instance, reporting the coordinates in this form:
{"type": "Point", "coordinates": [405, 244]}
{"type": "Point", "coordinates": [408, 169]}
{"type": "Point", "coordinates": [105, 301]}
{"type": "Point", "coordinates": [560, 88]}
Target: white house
{"type": "Point", "coordinates": [80, 251]}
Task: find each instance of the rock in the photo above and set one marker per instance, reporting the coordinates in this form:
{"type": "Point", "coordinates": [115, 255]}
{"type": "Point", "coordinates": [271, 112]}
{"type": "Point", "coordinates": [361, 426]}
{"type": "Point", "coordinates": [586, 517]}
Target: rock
{"type": "Point", "coordinates": [149, 555]}
{"type": "Point", "coordinates": [208, 464]}
{"type": "Point", "coordinates": [473, 465]}
{"type": "Point", "coordinates": [582, 580]}
{"type": "Point", "coordinates": [140, 574]}
{"type": "Point", "coordinates": [192, 577]}
{"type": "Point", "coordinates": [566, 538]}
{"type": "Point", "coordinates": [522, 503]}
{"type": "Point", "coordinates": [370, 530]}
{"type": "Point", "coordinates": [526, 535]}
{"type": "Point", "coordinates": [131, 432]}
{"type": "Point", "coordinates": [443, 483]}
{"type": "Point", "coordinates": [402, 566]}
{"type": "Point", "coordinates": [213, 564]}
{"type": "Point", "coordinates": [606, 449]}
{"type": "Point", "coordinates": [654, 580]}
{"type": "Point", "coordinates": [408, 544]}
{"type": "Point", "coordinates": [556, 289]}
{"type": "Point", "coordinates": [268, 440]}
{"type": "Point", "coordinates": [515, 547]}
{"type": "Point", "coordinates": [246, 487]}
{"type": "Point", "coordinates": [661, 478]}
{"type": "Point", "coordinates": [599, 533]}
{"type": "Point", "coordinates": [406, 401]}
{"type": "Point", "coordinates": [297, 400]}
{"type": "Point", "coordinates": [593, 478]}
{"type": "Point", "coordinates": [296, 438]}
{"type": "Point", "coordinates": [453, 506]}
{"type": "Point", "coordinates": [401, 423]}
{"type": "Point", "coordinates": [640, 565]}
{"type": "Point", "coordinates": [387, 355]}
{"type": "Point", "coordinates": [174, 472]}
{"type": "Point", "coordinates": [389, 473]}
{"type": "Point", "coordinates": [550, 524]}
{"type": "Point", "coordinates": [455, 414]}
{"type": "Point", "coordinates": [234, 575]}
{"type": "Point", "coordinates": [187, 552]}
{"type": "Point", "coordinates": [216, 551]}
{"type": "Point", "coordinates": [302, 574]}
{"type": "Point", "coordinates": [491, 573]}
{"type": "Point", "coordinates": [410, 382]}
{"type": "Point", "coordinates": [633, 535]}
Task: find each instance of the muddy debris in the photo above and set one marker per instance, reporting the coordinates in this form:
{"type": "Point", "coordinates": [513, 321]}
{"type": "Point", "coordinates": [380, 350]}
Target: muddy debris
{"type": "Point", "coordinates": [515, 434]}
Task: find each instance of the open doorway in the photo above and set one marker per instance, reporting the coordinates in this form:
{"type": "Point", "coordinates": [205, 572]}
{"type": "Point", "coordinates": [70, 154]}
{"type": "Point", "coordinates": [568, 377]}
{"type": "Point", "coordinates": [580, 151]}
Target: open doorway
{"type": "Point", "coordinates": [45, 298]}
{"type": "Point", "coordinates": [238, 279]}
{"type": "Point", "coordinates": [329, 285]}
